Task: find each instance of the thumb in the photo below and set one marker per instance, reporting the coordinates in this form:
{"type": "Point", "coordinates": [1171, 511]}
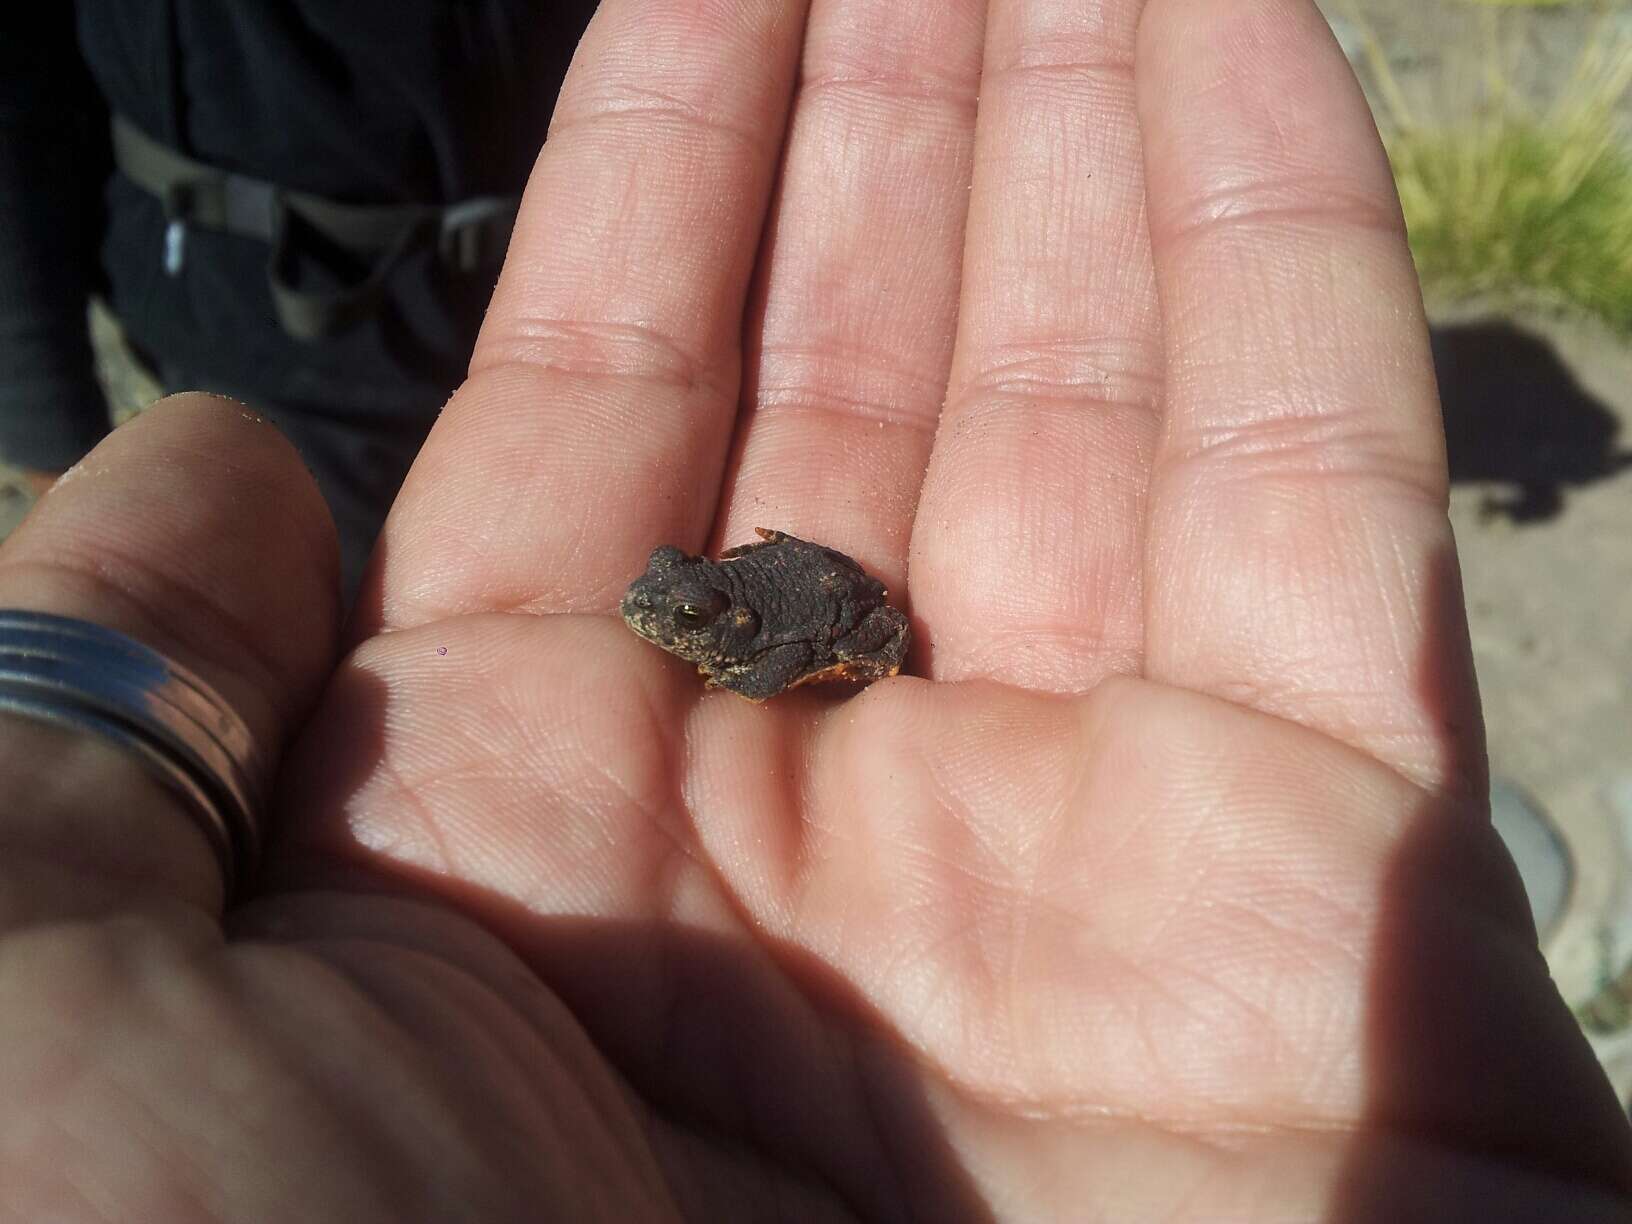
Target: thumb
{"type": "Point", "coordinates": [195, 530]}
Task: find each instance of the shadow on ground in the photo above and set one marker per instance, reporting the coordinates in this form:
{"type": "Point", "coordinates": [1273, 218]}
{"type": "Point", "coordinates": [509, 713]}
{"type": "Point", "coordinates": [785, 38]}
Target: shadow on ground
{"type": "Point", "coordinates": [1515, 416]}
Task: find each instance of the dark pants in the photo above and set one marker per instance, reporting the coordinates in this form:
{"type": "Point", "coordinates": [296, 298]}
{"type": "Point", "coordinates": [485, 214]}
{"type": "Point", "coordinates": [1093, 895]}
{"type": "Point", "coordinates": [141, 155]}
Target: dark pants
{"type": "Point", "coordinates": [359, 460]}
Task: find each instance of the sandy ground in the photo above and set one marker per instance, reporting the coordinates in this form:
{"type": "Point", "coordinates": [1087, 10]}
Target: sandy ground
{"type": "Point", "coordinates": [128, 387]}
{"type": "Point", "coordinates": [1445, 56]}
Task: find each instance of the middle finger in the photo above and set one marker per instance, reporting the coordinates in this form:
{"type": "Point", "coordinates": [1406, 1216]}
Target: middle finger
{"type": "Point", "coordinates": [1027, 553]}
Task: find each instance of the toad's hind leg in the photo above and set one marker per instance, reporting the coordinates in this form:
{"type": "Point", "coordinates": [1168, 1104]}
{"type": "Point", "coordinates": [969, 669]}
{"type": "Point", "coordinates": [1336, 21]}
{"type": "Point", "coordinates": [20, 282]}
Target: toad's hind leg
{"type": "Point", "coordinates": [766, 536]}
{"type": "Point", "coordinates": [875, 648]}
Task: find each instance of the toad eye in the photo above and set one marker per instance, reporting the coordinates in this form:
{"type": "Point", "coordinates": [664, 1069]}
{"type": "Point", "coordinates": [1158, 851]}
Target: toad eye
{"type": "Point", "coordinates": [699, 614]}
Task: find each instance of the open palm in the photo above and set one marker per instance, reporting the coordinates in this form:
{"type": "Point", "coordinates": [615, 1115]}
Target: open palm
{"type": "Point", "coordinates": [1164, 891]}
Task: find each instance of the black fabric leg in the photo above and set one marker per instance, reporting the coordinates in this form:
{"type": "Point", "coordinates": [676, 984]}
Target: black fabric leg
{"type": "Point", "coordinates": [359, 462]}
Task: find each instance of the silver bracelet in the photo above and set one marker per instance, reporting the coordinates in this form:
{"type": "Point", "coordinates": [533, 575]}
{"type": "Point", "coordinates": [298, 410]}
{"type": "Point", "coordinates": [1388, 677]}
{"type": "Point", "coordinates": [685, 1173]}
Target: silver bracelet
{"type": "Point", "coordinates": [85, 677]}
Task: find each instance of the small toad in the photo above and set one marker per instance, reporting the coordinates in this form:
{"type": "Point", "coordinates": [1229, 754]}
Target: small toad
{"type": "Point", "coordinates": [768, 616]}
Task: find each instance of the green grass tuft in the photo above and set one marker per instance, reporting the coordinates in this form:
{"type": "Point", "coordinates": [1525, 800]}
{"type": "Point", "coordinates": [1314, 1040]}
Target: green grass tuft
{"type": "Point", "coordinates": [1509, 206]}
{"type": "Point", "coordinates": [1525, 3]}
{"type": "Point", "coordinates": [1520, 212]}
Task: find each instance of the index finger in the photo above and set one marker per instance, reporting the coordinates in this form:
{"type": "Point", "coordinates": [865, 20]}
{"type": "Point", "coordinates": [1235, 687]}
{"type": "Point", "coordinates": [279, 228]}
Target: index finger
{"type": "Point", "coordinates": [601, 396]}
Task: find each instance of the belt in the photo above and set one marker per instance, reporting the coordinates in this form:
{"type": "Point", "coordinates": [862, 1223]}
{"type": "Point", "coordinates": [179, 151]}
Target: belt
{"type": "Point", "coordinates": [469, 235]}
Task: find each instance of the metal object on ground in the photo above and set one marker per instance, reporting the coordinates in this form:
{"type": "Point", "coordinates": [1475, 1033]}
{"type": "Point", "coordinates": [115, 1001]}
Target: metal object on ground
{"type": "Point", "coordinates": [1543, 859]}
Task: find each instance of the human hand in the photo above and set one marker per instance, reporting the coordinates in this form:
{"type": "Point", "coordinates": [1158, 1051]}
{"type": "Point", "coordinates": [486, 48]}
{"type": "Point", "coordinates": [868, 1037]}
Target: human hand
{"type": "Point", "coordinates": [1166, 894]}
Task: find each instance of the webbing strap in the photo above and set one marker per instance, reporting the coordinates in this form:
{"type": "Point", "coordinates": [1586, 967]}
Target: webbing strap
{"type": "Point", "coordinates": [469, 235]}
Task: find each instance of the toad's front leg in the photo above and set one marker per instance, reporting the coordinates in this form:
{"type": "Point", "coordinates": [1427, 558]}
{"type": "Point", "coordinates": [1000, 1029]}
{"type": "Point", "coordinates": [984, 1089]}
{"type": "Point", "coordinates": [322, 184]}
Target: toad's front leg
{"type": "Point", "coordinates": [779, 668]}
